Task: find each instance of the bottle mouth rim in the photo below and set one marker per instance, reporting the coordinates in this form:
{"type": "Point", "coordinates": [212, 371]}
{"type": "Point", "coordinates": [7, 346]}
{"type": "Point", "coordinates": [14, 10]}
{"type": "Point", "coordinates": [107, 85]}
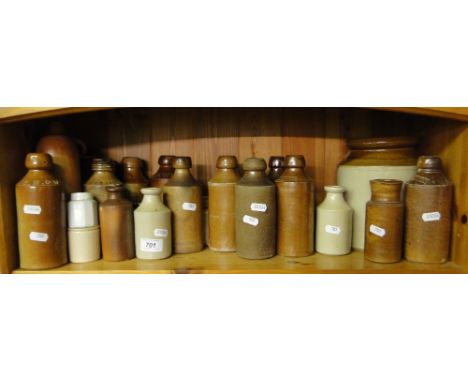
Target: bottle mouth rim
{"type": "Point", "coordinates": [334, 188]}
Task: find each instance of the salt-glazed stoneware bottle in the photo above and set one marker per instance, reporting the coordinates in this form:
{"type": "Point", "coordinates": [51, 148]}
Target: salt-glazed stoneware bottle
{"type": "Point", "coordinates": [276, 165]}
{"type": "Point", "coordinates": [222, 205]}
{"type": "Point", "coordinates": [40, 205]}
{"type": "Point", "coordinates": [153, 232]}
{"type": "Point", "coordinates": [334, 223]}
{"type": "Point", "coordinates": [164, 173]}
{"type": "Point", "coordinates": [116, 218]}
{"type": "Point", "coordinates": [295, 194]}
{"type": "Point", "coordinates": [428, 213]}
{"type": "Point", "coordinates": [184, 198]}
{"type": "Point", "coordinates": [255, 212]}
{"type": "Point", "coordinates": [384, 222]}
{"type": "Point", "coordinates": [134, 178]}
{"type": "Point", "coordinates": [103, 176]}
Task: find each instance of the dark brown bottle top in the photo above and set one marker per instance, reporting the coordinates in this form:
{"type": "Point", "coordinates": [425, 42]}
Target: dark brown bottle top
{"type": "Point", "coordinates": [132, 162]}
{"type": "Point", "coordinates": [182, 162]}
{"type": "Point", "coordinates": [381, 143]}
{"type": "Point", "coordinates": [166, 160]}
{"type": "Point", "coordinates": [254, 164]}
{"type": "Point", "coordinates": [276, 162]}
{"type": "Point", "coordinates": [294, 161]}
{"type": "Point", "coordinates": [429, 162]}
{"type": "Point", "coordinates": [226, 161]}
{"type": "Point", "coordinates": [386, 190]}
{"type": "Point", "coordinates": [115, 189]}
{"type": "Point", "coordinates": [38, 161]}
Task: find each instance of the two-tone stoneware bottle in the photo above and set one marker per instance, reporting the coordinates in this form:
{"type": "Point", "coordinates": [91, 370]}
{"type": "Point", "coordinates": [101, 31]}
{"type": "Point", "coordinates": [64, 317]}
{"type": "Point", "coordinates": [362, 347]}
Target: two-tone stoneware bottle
{"type": "Point", "coordinates": [102, 177]}
{"type": "Point", "coordinates": [276, 167]}
{"type": "Point", "coordinates": [295, 194]}
{"type": "Point", "coordinates": [164, 173]}
{"type": "Point", "coordinates": [384, 222]}
{"type": "Point", "coordinates": [183, 196]}
{"type": "Point", "coordinates": [40, 205]}
{"type": "Point", "coordinates": [428, 213]}
{"type": "Point", "coordinates": [133, 178]}
{"type": "Point", "coordinates": [255, 212]}
{"type": "Point", "coordinates": [222, 205]}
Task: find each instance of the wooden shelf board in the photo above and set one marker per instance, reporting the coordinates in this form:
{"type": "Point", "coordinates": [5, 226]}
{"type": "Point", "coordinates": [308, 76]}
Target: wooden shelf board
{"type": "Point", "coordinates": [209, 261]}
{"type": "Point", "coordinates": [15, 114]}
{"type": "Point", "coordinates": [456, 113]}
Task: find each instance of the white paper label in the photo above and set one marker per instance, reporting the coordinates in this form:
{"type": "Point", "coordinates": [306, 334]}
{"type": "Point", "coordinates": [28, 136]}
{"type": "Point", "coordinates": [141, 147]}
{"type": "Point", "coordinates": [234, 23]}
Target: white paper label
{"type": "Point", "coordinates": [32, 209]}
{"type": "Point", "coordinates": [261, 207]}
{"type": "Point", "coordinates": [38, 236]}
{"type": "Point", "coordinates": [377, 230]}
{"type": "Point", "coordinates": [189, 206]}
{"type": "Point", "coordinates": [431, 216]}
{"type": "Point", "coordinates": [161, 232]}
{"type": "Point", "coordinates": [151, 245]}
{"type": "Point", "coordinates": [250, 220]}
{"type": "Point", "coordinates": [332, 229]}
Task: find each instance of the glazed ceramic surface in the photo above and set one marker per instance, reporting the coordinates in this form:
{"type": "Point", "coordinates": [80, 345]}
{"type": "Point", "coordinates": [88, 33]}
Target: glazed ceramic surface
{"type": "Point", "coordinates": [84, 244]}
{"type": "Point", "coordinates": [164, 173]}
{"type": "Point", "coordinates": [82, 211]}
{"type": "Point", "coordinates": [134, 178]}
{"type": "Point", "coordinates": [103, 176]}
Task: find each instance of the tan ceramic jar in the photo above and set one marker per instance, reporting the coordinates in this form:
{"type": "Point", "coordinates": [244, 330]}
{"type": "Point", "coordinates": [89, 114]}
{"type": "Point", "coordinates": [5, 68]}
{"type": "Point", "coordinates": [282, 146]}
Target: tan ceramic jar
{"type": "Point", "coordinates": [103, 177]}
{"type": "Point", "coordinates": [134, 178]}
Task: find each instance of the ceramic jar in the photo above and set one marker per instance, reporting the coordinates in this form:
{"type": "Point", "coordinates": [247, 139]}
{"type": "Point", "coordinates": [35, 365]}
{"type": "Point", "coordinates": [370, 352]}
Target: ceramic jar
{"type": "Point", "coordinates": [295, 194]}
{"type": "Point", "coordinates": [184, 198]}
{"type": "Point", "coordinates": [334, 223]}
{"type": "Point", "coordinates": [276, 165]}
{"type": "Point", "coordinates": [40, 205]}
{"type": "Point", "coordinates": [116, 217]}
{"type": "Point", "coordinates": [153, 231]}
{"type": "Point", "coordinates": [428, 213]}
{"type": "Point", "coordinates": [222, 202]}
{"type": "Point", "coordinates": [82, 211]}
{"type": "Point", "coordinates": [384, 222]}
{"type": "Point", "coordinates": [373, 158]}
{"type": "Point", "coordinates": [134, 178]}
{"type": "Point", "coordinates": [164, 173]}
{"type": "Point", "coordinates": [255, 212]}
{"type": "Point", "coordinates": [103, 176]}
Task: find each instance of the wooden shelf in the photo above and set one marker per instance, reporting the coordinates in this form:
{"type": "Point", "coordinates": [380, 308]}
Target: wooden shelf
{"type": "Point", "coordinates": [456, 113]}
{"type": "Point", "coordinates": [15, 114]}
{"type": "Point", "coordinates": [214, 262]}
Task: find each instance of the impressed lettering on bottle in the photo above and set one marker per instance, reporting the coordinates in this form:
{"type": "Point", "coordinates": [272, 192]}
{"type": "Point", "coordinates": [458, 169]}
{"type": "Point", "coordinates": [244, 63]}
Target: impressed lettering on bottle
{"type": "Point", "coordinates": [250, 220]}
{"type": "Point", "coordinates": [151, 245]}
{"type": "Point", "coordinates": [38, 236]}
{"type": "Point", "coordinates": [377, 230]}
{"type": "Point", "coordinates": [334, 230]}
{"type": "Point", "coordinates": [32, 209]}
{"type": "Point", "coordinates": [189, 206]}
{"type": "Point", "coordinates": [431, 216]}
{"type": "Point", "coordinates": [260, 207]}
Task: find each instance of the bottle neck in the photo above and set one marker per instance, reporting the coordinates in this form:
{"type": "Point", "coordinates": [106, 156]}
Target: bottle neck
{"type": "Point", "coordinates": [334, 197]}
{"type": "Point", "coordinates": [114, 195]}
{"type": "Point", "coordinates": [133, 174]}
{"type": "Point", "coordinates": [152, 201]}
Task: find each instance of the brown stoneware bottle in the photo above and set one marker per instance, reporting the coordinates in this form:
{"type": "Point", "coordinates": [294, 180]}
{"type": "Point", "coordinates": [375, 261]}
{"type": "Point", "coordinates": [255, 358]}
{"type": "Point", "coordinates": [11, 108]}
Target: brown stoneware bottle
{"type": "Point", "coordinates": [276, 164]}
{"type": "Point", "coordinates": [40, 205]}
{"type": "Point", "coordinates": [222, 202]}
{"type": "Point", "coordinates": [164, 173]}
{"type": "Point", "coordinates": [255, 212]}
{"type": "Point", "coordinates": [134, 178]}
{"type": "Point", "coordinates": [184, 198]}
{"type": "Point", "coordinates": [295, 193]}
{"type": "Point", "coordinates": [116, 218]}
{"type": "Point", "coordinates": [103, 176]}
{"type": "Point", "coordinates": [384, 222]}
{"type": "Point", "coordinates": [428, 213]}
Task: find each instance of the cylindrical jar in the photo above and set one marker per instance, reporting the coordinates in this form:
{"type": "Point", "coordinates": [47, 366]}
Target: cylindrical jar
{"type": "Point", "coordinates": [184, 198]}
{"type": "Point", "coordinates": [334, 223]}
{"type": "Point", "coordinates": [384, 222]}
{"type": "Point", "coordinates": [222, 205]}
{"type": "Point", "coordinates": [295, 194]}
{"type": "Point", "coordinates": [164, 173]}
{"type": "Point", "coordinates": [428, 213]}
{"type": "Point", "coordinates": [103, 177]}
{"type": "Point", "coordinates": [40, 205]}
{"type": "Point", "coordinates": [153, 236]}
{"type": "Point", "coordinates": [276, 165]}
{"type": "Point", "coordinates": [373, 158]}
{"type": "Point", "coordinates": [134, 178]}
{"type": "Point", "coordinates": [82, 211]}
{"type": "Point", "coordinates": [255, 212]}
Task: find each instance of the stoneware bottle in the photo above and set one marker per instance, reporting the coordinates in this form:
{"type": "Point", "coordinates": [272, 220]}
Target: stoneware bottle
{"type": "Point", "coordinates": [384, 222]}
{"type": "Point", "coordinates": [153, 236]}
{"type": "Point", "coordinates": [65, 156]}
{"type": "Point", "coordinates": [222, 202]}
{"type": "Point", "coordinates": [103, 176]}
{"type": "Point", "coordinates": [116, 218]}
{"type": "Point", "coordinates": [334, 223]}
{"type": "Point", "coordinates": [134, 178]}
{"type": "Point", "coordinates": [40, 205]}
{"type": "Point", "coordinates": [184, 198]}
{"type": "Point", "coordinates": [428, 213]}
{"type": "Point", "coordinates": [295, 194]}
{"type": "Point", "coordinates": [255, 212]}
{"type": "Point", "coordinates": [276, 164]}
{"type": "Point", "coordinates": [164, 173]}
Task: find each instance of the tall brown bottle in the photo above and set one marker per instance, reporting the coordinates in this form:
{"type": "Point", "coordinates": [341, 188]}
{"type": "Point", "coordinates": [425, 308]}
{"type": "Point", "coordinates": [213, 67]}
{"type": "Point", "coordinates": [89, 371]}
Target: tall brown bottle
{"type": "Point", "coordinates": [164, 173]}
{"type": "Point", "coordinates": [276, 164]}
{"type": "Point", "coordinates": [222, 205]}
{"type": "Point", "coordinates": [428, 213]}
{"type": "Point", "coordinates": [103, 177]}
{"type": "Point", "coordinates": [116, 218]}
{"type": "Point", "coordinates": [40, 206]}
{"type": "Point", "coordinates": [295, 209]}
{"type": "Point", "coordinates": [255, 212]}
{"type": "Point", "coordinates": [384, 222]}
{"type": "Point", "coordinates": [184, 198]}
{"type": "Point", "coordinates": [134, 179]}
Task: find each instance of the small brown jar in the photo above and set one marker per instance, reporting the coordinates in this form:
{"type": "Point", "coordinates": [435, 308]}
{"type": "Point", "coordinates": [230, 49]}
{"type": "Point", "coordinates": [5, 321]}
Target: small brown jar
{"type": "Point", "coordinates": [164, 173]}
{"type": "Point", "coordinates": [40, 205]}
{"type": "Point", "coordinates": [116, 218]}
{"type": "Point", "coordinates": [295, 193]}
{"type": "Point", "coordinates": [103, 176]}
{"type": "Point", "coordinates": [222, 202]}
{"type": "Point", "coordinates": [428, 213]}
{"type": "Point", "coordinates": [384, 222]}
{"type": "Point", "coordinates": [134, 178]}
{"type": "Point", "coordinates": [276, 164]}
{"type": "Point", "coordinates": [184, 198]}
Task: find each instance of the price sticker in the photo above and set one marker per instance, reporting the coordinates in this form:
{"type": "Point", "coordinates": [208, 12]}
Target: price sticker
{"type": "Point", "coordinates": [250, 220]}
{"type": "Point", "coordinates": [151, 245]}
{"type": "Point", "coordinates": [260, 207]}
{"type": "Point", "coordinates": [161, 232]}
{"type": "Point", "coordinates": [377, 230]}
{"type": "Point", "coordinates": [189, 206]}
{"type": "Point", "coordinates": [334, 230]}
{"type": "Point", "coordinates": [431, 216]}
{"type": "Point", "coordinates": [38, 236]}
{"type": "Point", "coordinates": [32, 209]}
